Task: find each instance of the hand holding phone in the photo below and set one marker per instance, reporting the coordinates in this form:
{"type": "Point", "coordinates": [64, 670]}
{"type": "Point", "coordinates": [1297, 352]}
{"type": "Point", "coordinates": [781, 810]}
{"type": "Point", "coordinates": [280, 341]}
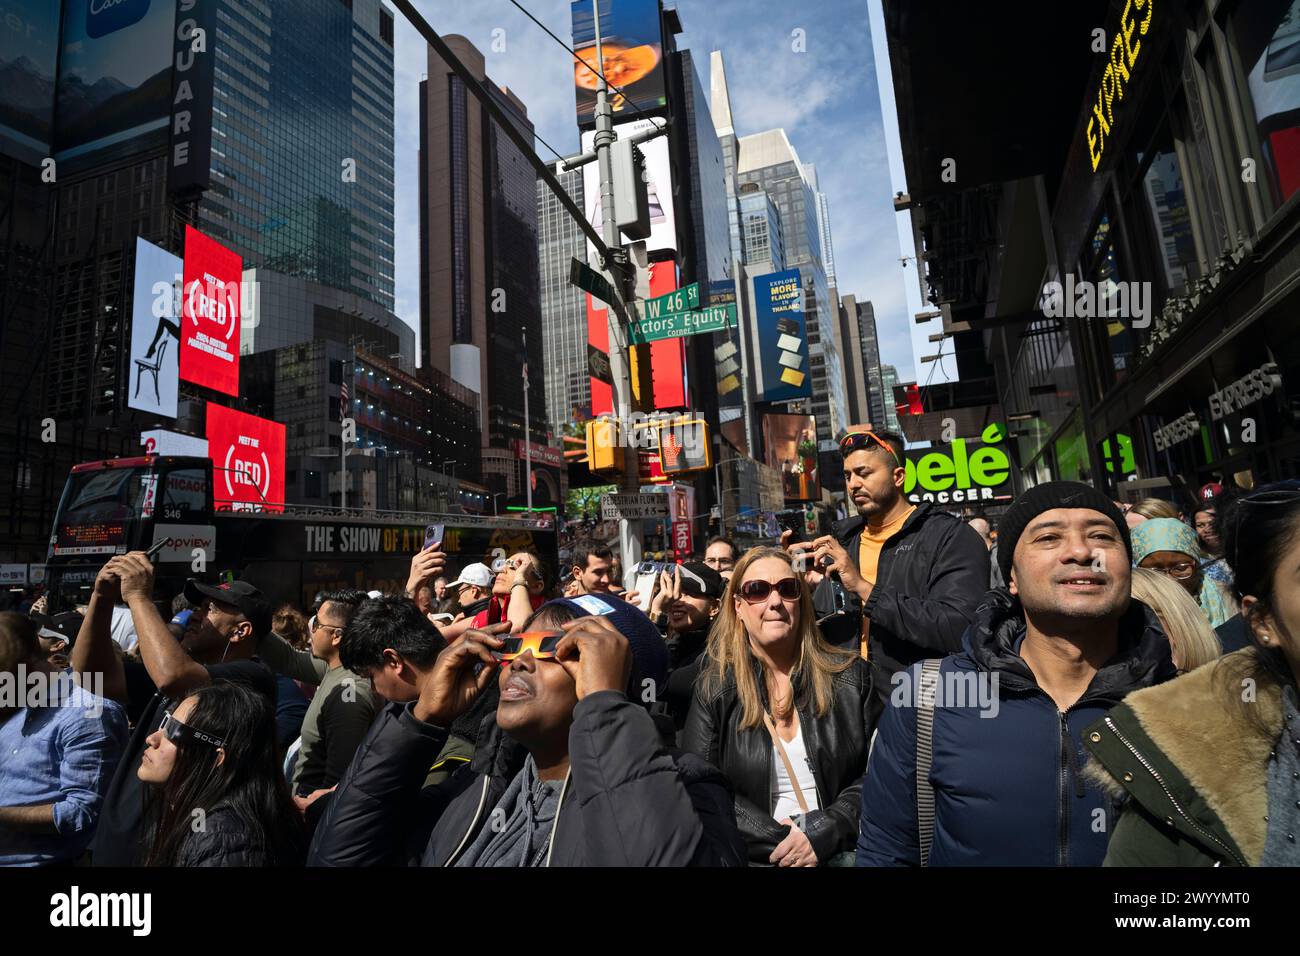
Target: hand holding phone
{"type": "Point", "coordinates": [433, 535]}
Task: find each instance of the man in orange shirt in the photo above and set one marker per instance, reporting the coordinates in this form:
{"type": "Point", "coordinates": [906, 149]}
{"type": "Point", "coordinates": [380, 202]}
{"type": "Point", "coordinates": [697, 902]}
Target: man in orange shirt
{"type": "Point", "coordinates": [912, 575]}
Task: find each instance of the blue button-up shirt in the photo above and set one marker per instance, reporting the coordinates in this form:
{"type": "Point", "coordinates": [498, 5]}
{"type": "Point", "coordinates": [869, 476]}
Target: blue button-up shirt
{"type": "Point", "coordinates": [63, 753]}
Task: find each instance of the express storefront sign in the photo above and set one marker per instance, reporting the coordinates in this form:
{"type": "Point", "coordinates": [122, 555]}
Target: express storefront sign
{"type": "Point", "coordinates": [959, 474]}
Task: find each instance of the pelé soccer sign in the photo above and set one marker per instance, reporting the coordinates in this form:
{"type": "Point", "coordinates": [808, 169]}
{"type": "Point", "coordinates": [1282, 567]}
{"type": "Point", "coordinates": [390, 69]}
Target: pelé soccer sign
{"type": "Point", "coordinates": [958, 473]}
{"type": "Point", "coordinates": [210, 314]}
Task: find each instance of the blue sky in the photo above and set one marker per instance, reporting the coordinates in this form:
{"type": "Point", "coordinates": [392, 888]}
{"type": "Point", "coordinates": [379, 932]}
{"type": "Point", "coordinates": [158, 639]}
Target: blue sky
{"type": "Point", "coordinates": [826, 98]}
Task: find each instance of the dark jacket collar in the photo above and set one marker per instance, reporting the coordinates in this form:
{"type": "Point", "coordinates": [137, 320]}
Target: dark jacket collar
{"type": "Point", "coordinates": [1141, 660]}
{"type": "Point", "coordinates": [850, 527]}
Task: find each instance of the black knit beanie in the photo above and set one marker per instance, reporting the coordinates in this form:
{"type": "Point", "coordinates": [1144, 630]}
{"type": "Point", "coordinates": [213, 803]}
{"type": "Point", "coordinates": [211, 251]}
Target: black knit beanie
{"type": "Point", "coordinates": [1045, 497]}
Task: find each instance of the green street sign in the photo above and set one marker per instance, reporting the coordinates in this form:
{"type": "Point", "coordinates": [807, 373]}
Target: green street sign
{"type": "Point", "coordinates": [589, 280]}
{"type": "Point", "coordinates": [684, 299]}
{"type": "Point", "coordinates": [673, 325]}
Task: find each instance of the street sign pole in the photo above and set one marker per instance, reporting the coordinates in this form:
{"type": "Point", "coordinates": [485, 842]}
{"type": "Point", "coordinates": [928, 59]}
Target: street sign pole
{"type": "Point", "coordinates": [629, 547]}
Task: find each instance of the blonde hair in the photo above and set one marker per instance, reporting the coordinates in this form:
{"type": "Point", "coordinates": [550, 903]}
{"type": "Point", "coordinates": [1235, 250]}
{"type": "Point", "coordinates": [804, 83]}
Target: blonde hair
{"type": "Point", "coordinates": [1191, 639]}
{"type": "Point", "coordinates": [729, 650]}
{"type": "Point", "coordinates": [1155, 508]}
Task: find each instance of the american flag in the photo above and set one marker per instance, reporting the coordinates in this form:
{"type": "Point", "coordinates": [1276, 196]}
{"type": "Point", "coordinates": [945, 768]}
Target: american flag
{"type": "Point", "coordinates": [343, 401]}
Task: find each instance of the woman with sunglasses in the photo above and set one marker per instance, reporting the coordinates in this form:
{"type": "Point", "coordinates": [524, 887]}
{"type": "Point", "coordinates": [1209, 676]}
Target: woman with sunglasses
{"type": "Point", "coordinates": [1210, 762]}
{"type": "Point", "coordinates": [217, 795]}
{"type": "Point", "coordinates": [1170, 547]}
{"type": "Point", "coordinates": [785, 715]}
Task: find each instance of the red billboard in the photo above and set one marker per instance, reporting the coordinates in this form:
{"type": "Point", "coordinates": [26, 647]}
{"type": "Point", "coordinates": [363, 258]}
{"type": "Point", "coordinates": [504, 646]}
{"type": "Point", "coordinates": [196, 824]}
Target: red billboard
{"type": "Point", "coordinates": [210, 314]}
{"type": "Point", "coordinates": [667, 356]}
{"type": "Point", "coordinates": [247, 460]}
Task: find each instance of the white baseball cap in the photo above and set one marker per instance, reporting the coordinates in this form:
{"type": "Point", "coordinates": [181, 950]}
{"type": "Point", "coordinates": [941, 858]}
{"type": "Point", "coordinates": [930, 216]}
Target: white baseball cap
{"type": "Point", "coordinates": [479, 575]}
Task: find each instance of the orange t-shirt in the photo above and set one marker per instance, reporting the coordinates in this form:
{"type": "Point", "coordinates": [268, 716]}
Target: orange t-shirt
{"type": "Point", "coordinates": [869, 561]}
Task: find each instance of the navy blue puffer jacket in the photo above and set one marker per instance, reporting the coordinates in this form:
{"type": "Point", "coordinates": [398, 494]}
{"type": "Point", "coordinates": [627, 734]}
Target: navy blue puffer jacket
{"type": "Point", "coordinates": [1008, 787]}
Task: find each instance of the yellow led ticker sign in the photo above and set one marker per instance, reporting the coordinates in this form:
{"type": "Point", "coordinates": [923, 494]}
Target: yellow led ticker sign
{"type": "Point", "coordinates": [1124, 53]}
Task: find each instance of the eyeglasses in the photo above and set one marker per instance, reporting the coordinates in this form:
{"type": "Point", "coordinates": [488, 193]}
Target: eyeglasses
{"type": "Point", "coordinates": [755, 592]}
{"type": "Point", "coordinates": [541, 644]}
{"type": "Point", "coordinates": [314, 623]}
{"type": "Point", "coordinates": [179, 733]}
{"type": "Point", "coordinates": [1181, 571]}
{"type": "Point", "coordinates": [856, 441]}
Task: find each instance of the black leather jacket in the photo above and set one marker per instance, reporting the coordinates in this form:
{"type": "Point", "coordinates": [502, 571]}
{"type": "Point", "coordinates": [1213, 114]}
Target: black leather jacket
{"type": "Point", "coordinates": [836, 743]}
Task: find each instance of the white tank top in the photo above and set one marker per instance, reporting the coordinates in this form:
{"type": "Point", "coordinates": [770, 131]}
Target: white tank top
{"type": "Point", "coordinates": [784, 801]}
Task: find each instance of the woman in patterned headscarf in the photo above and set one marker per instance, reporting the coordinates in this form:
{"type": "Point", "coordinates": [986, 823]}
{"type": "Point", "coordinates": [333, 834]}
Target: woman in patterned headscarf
{"type": "Point", "coordinates": [1169, 546]}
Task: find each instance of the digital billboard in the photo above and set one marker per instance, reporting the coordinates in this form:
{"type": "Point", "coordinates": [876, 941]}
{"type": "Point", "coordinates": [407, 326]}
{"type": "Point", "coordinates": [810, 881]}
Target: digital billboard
{"type": "Point", "coordinates": [155, 330]}
{"type": "Point", "coordinates": [210, 314]}
{"type": "Point", "coordinates": [782, 336]}
{"type": "Point", "coordinates": [791, 444]}
{"type": "Point", "coordinates": [247, 460]}
{"type": "Point", "coordinates": [667, 356]}
{"type": "Point", "coordinates": [960, 473]}
{"type": "Point", "coordinates": [632, 48]}
{"type": "Point", "coordinates": [659, 188]}
{"type": "Point", "coordinates": [115, 77]}
{"type": "Point", "coordinates": [29, 54]}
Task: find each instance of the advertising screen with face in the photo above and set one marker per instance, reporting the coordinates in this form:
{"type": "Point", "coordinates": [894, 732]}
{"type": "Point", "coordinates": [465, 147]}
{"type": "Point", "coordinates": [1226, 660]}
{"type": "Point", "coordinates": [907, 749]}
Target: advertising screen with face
{"type": "Point", "coordinates": [210, 314]}
{"type": "Point", "coordinates": [247, 460]}
{"type": "Point", "coordinates": [632, 47]}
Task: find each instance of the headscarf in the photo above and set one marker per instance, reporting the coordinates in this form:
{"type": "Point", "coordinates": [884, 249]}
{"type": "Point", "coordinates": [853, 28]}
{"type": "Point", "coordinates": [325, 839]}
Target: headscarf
{"type": "Point", "coordinates": [1170, 534]}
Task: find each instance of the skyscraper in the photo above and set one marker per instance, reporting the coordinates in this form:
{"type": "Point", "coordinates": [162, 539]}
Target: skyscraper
{"type": "Point", "coordinates": [861, 361]}
{"type": "Point", "coordinates": [888, 379]}
{"type": "Point", "coordinates": [564, 310]}
{"type": "Point", "coordinates": [480, 298]}
{"type": "Point", "coordinates": [302, 165]}
{"type": "Point", "coordinates": [769, 159]}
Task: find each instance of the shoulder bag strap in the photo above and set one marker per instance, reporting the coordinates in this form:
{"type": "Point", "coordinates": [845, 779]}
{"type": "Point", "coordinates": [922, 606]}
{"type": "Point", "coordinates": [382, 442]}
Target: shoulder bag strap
{"type": "Point", "coordinates": [785, 759]}
{"type": "Point", "coordinates": [925, 754]}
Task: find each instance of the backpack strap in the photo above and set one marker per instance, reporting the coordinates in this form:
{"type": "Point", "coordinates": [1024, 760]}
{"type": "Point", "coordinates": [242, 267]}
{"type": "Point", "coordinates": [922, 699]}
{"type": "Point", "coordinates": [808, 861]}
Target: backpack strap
{"type": "Point", "coordinates": [925, 753]}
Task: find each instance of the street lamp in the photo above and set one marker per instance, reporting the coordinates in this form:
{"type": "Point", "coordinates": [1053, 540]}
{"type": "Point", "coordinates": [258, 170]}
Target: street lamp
{"type": "Point", "coordinates": [495, 496]}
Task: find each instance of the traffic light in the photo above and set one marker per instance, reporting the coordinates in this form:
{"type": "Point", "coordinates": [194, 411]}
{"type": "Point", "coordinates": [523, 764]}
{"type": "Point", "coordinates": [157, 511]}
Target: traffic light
{"type": "Point", "coordinates": [810, 520]}
{"type": "Point", "coordinates": [684, 446]}
{"type": "Point", "coordinates": [604, 446]}
{"type": "Point", "coordinates": [631, 196]}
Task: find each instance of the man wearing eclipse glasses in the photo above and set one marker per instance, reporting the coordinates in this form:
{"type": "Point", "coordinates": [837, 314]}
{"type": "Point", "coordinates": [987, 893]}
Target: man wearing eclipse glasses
{"type": "Point", "coordinates": [902, 579]}
{"type": "Point", "coordinates": [568, 771]}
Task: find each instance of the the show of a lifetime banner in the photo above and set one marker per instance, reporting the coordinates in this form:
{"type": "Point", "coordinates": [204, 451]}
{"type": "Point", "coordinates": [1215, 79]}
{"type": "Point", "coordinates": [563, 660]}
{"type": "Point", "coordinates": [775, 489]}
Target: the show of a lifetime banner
{"type": "Point", "coordinates": [155, 330]}
{"type": "Point", "coordinates": [782, 336]}
{"type": "Point", "coordinates": [210, 314]}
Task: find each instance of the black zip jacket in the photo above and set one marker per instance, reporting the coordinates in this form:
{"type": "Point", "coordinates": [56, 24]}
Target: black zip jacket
{"type": "Point", "coordinates": [836, 744]}
{"type": "Point", "coordinates": [933, 574]}
{"type": "Point", "coordinates": [627, 800]}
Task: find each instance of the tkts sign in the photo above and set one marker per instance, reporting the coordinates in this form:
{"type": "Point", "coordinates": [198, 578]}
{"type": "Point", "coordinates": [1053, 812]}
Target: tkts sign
{"type": "Point", "coordinates": [210, 314]}
{"type": "Point", "coordinates": [247, 461]}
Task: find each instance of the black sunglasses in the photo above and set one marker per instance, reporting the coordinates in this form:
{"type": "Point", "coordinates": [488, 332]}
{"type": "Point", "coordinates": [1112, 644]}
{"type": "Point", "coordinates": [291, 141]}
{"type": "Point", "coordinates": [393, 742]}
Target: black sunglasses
{"type": "Point", "coordinates": [856, 441]}
{"type": "Point", "coordinates": [756, 592]}
{"type": "Point", "coordinates": [179, 733]}
{"type": "Point", "coordinates": [1278, 493]}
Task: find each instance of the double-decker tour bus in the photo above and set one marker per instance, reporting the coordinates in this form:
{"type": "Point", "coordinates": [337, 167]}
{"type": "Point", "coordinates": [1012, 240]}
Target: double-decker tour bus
{"type": "Point", "coordinates": [291, 552]}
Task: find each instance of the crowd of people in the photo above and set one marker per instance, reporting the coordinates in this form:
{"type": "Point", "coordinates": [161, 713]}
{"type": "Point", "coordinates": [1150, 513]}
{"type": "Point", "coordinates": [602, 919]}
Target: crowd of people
{"type": "Point", "coordinates": [1086, 683]}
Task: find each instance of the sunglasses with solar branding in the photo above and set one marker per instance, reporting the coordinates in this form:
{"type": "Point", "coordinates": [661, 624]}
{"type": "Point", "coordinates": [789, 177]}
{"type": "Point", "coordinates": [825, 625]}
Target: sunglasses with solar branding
{"type": "Point", "coordinates": [755, 592]}
{"type": "Point", "coordinates": [856, 441]}
{"type": "Point", "coordinates": [180, 734]}
{"type": "Point", "coordinates": [541, 644]}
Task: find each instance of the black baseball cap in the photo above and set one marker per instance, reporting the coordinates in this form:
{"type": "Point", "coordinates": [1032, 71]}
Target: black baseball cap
{"type": "Point", "coordinates": [701, 580]}
{"type": "Point", "coordinates": [249, 599]}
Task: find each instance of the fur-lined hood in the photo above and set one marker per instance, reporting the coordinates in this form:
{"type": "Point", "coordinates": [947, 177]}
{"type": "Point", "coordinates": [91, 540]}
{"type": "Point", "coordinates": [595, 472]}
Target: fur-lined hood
{"type": "Point", "coordinates": [1188, 754]}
